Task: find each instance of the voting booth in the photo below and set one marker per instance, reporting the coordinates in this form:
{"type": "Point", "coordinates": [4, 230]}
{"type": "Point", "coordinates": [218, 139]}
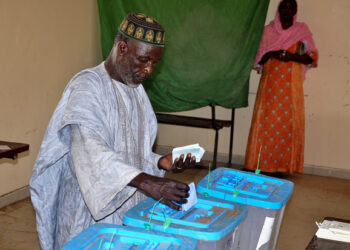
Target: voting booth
{"type": "Point", "coordinates": [212, 222]}
{"type": "Point", "coordinates": [108, 236]}
{"type": "Point", "coordinates": [265, 197]}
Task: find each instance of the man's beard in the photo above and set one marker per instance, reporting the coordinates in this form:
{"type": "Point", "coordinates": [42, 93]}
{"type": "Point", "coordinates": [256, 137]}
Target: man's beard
{"type": "Point", "coordinates": [129, 80]}
{"type": "Point", "coordinates": [132, 85]}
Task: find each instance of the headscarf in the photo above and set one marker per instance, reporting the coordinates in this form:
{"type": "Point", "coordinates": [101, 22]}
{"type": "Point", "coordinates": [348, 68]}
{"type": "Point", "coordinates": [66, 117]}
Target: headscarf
{"type": "Point", "coordinates": [276, 38]}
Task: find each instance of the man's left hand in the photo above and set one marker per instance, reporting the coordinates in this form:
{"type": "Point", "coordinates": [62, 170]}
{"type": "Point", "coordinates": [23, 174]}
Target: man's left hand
{"type": "Point", "coordinates": [179, 165]}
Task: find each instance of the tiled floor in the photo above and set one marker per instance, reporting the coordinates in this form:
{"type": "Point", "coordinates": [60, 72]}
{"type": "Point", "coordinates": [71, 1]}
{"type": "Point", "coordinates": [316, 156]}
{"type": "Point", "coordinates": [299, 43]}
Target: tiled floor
{"type": "Point", "coordinates": [314, 197]}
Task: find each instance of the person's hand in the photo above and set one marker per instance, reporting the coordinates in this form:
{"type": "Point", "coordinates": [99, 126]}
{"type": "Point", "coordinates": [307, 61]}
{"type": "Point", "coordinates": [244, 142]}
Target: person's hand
{"type": "Point", "coordinates": [278, 54]}
{"type": "Point", "coordinates": [170, 190]}
{"type": "Point", "coordinates": [270, 54]}
{"type": "Point", "coordinates": [179, 165]}
{"type": "Point", "coordinates": [283, 55]}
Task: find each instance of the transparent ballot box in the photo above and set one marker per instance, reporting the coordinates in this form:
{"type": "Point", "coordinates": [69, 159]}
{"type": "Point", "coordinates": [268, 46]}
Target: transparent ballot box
{"type": "Point", "coordinates": [109, 236]}
{"type": "Point", "coordinates": [265, 196]}
{"type": "Point", "coordinates": [211, 222]}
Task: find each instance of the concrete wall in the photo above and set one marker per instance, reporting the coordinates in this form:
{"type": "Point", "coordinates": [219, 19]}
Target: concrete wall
{"type": "Point", "coordinates": [43, 44]}
{"type": "Point", "coordinates": [327, 94]}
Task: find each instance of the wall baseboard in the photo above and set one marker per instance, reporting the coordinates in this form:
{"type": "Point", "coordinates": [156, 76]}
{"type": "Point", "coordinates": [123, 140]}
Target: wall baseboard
{"type": "Point", "coordinates": [13, 197]}
{"type": "Point", "coordinates": [326, 171]}
{"type": "Point", "coordinates": [239, 160]}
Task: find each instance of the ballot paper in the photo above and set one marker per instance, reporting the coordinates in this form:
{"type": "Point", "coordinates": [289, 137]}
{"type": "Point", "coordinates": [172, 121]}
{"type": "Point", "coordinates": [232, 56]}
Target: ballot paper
{"type": "Point", "coordinates": [333, 230]}
{"type": "Point", "coordinates": [194, 149]}
{"type": "Point", "coordinates": [192, 199]}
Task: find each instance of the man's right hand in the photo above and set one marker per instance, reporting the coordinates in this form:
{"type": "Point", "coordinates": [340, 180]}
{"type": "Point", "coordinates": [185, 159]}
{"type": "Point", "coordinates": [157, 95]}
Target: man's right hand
{"type": "Point", "coordinates": [170, 190]}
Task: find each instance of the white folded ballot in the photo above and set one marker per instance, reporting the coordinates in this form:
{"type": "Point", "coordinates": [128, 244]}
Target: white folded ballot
{"type": "Point", "coordinates": [194, 149]}
{"type": "Point", "coordinates": [192, 199]}
{"type": "Point", "coordinates": [333, 230]}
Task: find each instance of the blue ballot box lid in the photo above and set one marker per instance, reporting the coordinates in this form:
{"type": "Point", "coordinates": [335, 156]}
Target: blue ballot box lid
{"type": "Point", "coordinates": [209, 219]}
{"type": "Point", "coordinates": [246, 188]}
{"type": "Point", "coordinates": [109, 236]}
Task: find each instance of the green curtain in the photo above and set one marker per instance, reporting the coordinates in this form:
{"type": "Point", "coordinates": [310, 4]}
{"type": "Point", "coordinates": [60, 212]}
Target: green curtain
{"type": "Point", "coordinates": [209, 52]}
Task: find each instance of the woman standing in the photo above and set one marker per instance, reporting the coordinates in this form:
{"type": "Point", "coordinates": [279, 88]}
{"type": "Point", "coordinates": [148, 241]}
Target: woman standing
{"type": "Point", "coordinates": [286, 51]}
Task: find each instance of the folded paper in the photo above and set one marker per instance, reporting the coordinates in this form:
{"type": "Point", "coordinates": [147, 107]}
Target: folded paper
{"type": "Point", "coordinates": [194, 149]}
{"type": "Point", "coordinates": [192, 199]}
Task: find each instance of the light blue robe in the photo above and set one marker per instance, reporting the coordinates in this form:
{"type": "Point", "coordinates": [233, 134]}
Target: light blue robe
{"type": "Point", "coordinates": [99, 138]}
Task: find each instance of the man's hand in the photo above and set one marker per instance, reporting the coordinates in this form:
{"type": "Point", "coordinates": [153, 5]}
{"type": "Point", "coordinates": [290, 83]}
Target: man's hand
{"type": "Point", "coordinates": [170, 190]}
{"type": "Point", "coordinates": [179, 165]}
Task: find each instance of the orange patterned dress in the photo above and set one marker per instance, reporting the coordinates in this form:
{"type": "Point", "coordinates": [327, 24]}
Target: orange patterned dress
{"type": "Point", "coordinates": [278, 123]}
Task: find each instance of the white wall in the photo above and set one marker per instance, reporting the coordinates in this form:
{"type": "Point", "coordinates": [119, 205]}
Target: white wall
{"type": "Point", "coordinates": [327, 94]}
{"type": "Point", "coordinates": [43, 44]}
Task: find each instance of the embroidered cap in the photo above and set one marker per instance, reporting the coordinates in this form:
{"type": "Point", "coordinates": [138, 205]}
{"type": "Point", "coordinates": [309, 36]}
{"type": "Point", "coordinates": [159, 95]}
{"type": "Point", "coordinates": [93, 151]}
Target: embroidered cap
{"type": "Point", "coordinates": [143, 28]}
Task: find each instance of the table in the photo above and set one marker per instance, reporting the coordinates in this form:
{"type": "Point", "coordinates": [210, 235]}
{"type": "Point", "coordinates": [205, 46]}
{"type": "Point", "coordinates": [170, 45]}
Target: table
{"type": "Point", "coordinates": [15, 148]}
{"type": "Point", "coordinates": [323, 244]}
